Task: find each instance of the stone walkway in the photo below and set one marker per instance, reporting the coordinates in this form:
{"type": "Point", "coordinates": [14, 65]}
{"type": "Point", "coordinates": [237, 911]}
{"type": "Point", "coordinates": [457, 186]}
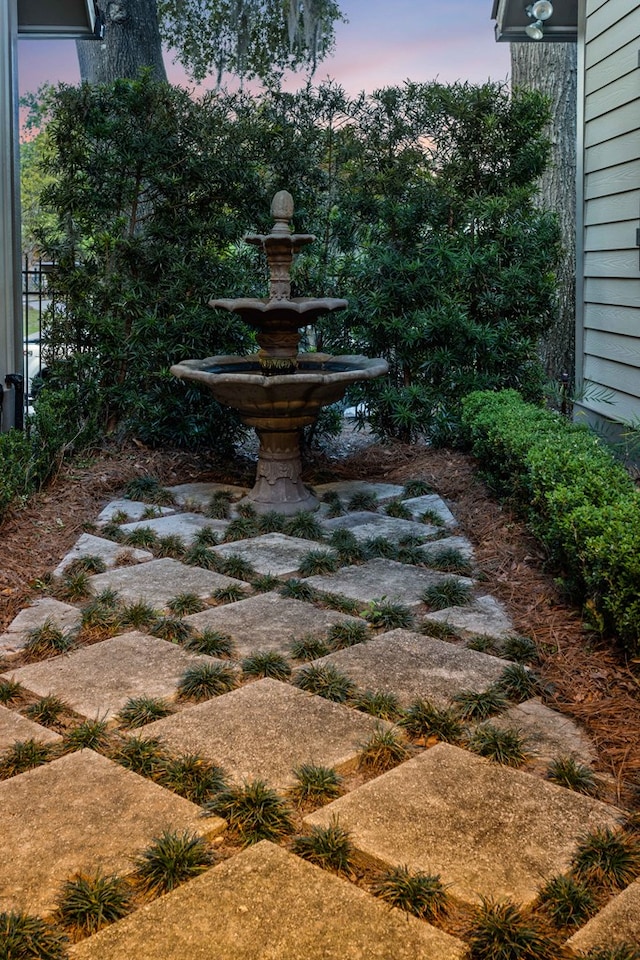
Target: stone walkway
{"type": "Point", "coordinates": [354, 618]}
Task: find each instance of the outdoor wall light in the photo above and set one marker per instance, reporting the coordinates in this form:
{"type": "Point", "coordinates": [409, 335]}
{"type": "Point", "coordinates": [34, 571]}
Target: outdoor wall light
{"type": "Point", "coordinates": [539, 11]}
{"type": "Point", "coordinates": [535, 30]}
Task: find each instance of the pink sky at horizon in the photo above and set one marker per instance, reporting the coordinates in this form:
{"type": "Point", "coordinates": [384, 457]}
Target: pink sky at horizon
{"type": "Point", "coordinates": [447, 40]}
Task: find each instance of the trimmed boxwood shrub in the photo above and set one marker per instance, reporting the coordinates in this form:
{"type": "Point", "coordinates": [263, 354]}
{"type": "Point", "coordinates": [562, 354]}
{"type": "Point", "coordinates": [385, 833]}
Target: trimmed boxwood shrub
{"type": "Point", "coordinates": [581, 504]}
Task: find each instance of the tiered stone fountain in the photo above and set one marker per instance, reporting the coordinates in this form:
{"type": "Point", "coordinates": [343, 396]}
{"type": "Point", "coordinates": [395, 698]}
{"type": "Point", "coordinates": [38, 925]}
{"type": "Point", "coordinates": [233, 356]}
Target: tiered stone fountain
{"type": "Point", "coordinates": [279, 391]}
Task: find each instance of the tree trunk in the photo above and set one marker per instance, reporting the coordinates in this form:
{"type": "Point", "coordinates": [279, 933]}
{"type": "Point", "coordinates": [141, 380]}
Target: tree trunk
{"type": "Point", "coordinates": [551, 68]}
{"type": "Point", "coordinates": [131, 42]}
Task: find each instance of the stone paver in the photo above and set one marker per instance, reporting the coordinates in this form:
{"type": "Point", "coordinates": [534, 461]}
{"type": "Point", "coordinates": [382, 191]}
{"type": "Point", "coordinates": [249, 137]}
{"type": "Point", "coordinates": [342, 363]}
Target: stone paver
{"type": "Point", "coordinates": [617, 923]}
{"type": "Point", "coordinates": [461, 544]}
{"type": "Point", "coordinates": [273, 553]}
{"type": "Point", "coordinates": [396, 582]}
{"type": "Point", "coordinates": [549, 734]}
{"type": "Point", "coordinates": [81, 813]}
{"type": "Point", "coordinates": [432, 503]}
{"type": "Point", "coordinates": [199, 494]}
{"type": "Point", "coordinates": [486, 616]}
{"type": "Point", "coordinates": [268, 621]}
{"type": "Point", "coordinates": [13, 726]}
{"type": "Point", "coordinates": [159, 581]}
{"type": "Point", "coordinates": [65, 616]}
{"type": "Point", "coordinates": [112, 553]}
{"type": "Point", "coordinates": [187, 526]}
{"type": "Point", "coordinates": [486, 829]}
{"type": "Point", "coordinates": [265, 729]}
{"type": "Point", "coordinates": [134, 509]}
{"type": "Point", "coordinates": [411, 665]}
{"type": "Point", "coordinates": [97, 681]}
{"type": "Point", "coordinates": [348, 488]}
{"type": "Point", "coordinates": [267, 904]}
{"type": "Point", "coordinates": [364, 526]}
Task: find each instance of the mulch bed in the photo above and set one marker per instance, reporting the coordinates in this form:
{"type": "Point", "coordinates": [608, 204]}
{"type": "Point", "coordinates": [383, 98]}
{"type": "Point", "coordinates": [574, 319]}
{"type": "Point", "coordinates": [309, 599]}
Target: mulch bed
{"type": "Point", "coordinates": [586, 678]}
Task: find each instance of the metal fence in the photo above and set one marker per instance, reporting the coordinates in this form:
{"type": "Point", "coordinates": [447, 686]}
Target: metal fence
{"type": "Point", "coordinates": [36, 298]}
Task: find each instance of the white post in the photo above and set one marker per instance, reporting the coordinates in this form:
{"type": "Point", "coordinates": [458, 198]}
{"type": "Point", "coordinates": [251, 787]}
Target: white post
{"type": "Point", "coordinates": [11, 348]}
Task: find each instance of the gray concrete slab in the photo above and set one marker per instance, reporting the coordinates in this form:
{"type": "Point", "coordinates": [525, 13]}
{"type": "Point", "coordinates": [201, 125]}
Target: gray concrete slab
{"type": "Point", "coordinates": [549, 734]}
{"type": "Point", "coordinates": [365, 525]}
{"type": "Point", "coordinates": [184, 525]}
{"type": "Point", "coordinates": [461, 544]}
{"type": "Point", "coordinates": [158, 581]}
{"type": "Point", "coordinates": [13, 726]}
{"type": "Point", "coordinates": [273, 553]}
{"type": "Point", "coordinates": [268, 621]}
{"type": "Point", "coordinates": [65, 616]}
{"type": "Point", "coordinates": [134, 509]}
{"type": "Point", "coordinates": [81, 813]}
{"type": "Point", "coordinates": [97, 680]}
{"type": "Point", "coordinates": [411, 665]}
{"type": "Point", "coordinates": [488, 830]}
{"type": "Point", "coordinates": [486, 616]}
{"type": "Point", "coordinates": [199, 494]}
{"type": "Point", "coordinates": [346, 489]}
{"type": "Point", "coordinates": [113, 554]}
{"type": "Point", "coordinates": [617, 923]}
{"type": "Point", "coordinates": [396, 582]}
{"type": "Point", "coordinates": [265, 729]}
{"type": "Point", "coordinates": [433, 503]}
{"type": "Point", "coordinates": [267, 904]}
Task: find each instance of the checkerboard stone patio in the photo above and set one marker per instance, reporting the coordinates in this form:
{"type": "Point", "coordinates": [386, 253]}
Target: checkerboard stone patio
{"type": "Point", "coordinates": [187, 526]}
{"type": "Point", "coordinates": [365, 525]}
{"type": "Point", "coordinates": [433, 503]}
{"type": "Point", "coordinates": [97, 680]}
{"type": "Point", "coordinates": [269, 621]}
{"type": "Point", "coordinates": [486, 829]}
{"type": "Point", "coordinates": [396, 582]}
{"type": "Point", "coordinates": [273, 553]}
{"type": "Point", "coordinates": [81, 813]}
{"type": "Point", "coordinates": [63, 615]}
{"type": "Point", "coordinates": [617, 923]}
{"type": "Point", "coordinates": [267, 903]}
{"type": "Point", "coordinates": [346, 489]}
{"type": "Point", "coordinates": [111, 553]}
{"type": "Point", "coordinates": [158, 581]}
{"type": "Point", "coordinates": [199, 494]}
{"type": "Point", "coordinates": [461, 544]}
{"type": "Point", "coordinates": [134, 509]}
{"type": "Point", "coordinates": [486, 616]}
{"type": "Point", "coordinates": [265, 729]}
{"type": "Point", "coordinates": [411, 665]}
{"type": "Point", "coordinates": [549, 734]}
{"type": "Point", "coordinates": [13, 726]}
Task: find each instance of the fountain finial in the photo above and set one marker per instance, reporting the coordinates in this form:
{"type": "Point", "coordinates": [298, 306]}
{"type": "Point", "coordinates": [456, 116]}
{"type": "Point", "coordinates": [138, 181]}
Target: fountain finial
{"type": "Point", "coordinates": [282, 212]}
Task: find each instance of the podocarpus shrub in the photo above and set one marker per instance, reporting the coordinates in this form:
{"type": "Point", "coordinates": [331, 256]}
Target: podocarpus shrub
{"type": "Point", "coordinates": [578, 500]}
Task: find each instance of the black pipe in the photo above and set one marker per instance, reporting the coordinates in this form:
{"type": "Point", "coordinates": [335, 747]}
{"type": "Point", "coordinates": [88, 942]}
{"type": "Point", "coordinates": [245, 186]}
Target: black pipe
{"type": "Point", "coordinates": [16, 380]}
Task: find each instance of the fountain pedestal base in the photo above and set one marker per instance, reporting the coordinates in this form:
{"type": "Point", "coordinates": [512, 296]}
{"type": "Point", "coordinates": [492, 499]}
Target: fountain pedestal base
{"type": "Point", "coordinates": [279, 483]}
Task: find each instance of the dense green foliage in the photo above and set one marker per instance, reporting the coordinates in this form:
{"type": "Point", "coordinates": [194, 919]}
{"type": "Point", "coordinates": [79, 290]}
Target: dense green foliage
{"type": "Point", "coordinates": [580, 503]}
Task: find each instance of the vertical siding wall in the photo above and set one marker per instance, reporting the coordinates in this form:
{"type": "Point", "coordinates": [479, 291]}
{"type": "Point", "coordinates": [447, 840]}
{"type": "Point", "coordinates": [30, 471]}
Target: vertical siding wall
{"type": "Point", "coordinates": [609, 324]}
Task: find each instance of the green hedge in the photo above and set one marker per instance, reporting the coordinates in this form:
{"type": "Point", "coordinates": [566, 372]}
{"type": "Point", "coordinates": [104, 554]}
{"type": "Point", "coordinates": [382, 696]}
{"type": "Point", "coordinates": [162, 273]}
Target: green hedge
{"type": "Point", "coordinates": [580, 503]}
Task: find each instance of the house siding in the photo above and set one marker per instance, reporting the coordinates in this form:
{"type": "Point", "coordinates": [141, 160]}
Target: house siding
{"type": "Point", "coordinates": [608, 322]}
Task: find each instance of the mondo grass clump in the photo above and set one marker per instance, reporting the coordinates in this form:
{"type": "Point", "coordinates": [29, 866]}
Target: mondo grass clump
{"type": "Point", "coordinates": [386, 615]}
{"type": "Point", "coordinates": [47, 710]}
{"type": "Point", "coordinates": [148, 489]}
{"type": "Point", "coordinates": [363, 501]}
{"type": "Point", "coordinates": [296, 589]}
{"type": "Point", "coordinates": [136, 616]}
{"type": "Point", "coordinates": [304, 525]}
{"type": "Point", "coordinates": [334, 503]}
{"type": "Point", "coordinates": [24, 937]}
{"type": "Point", "coordinates": [266, 663]}
{"type": "Point", "coordinates": [241, 528]}
{"type": "Point", "coordinates": [422, 720]}
{"type": "Point", "coordinates": [206, 680]}
{"type": "Point", "coordinates": [87, 564]}
{"type": "Point", "coordinates": [170, 545]}
{"type": "Point", "coordinates": [10, 692]}
{"type": "Point", "coordinates": [450, 592]}
{"type": "Point", "coordinates": [72, 587]}
{"type": "Point", "coordinates": [398, 509]}
{"type": "Point", "coordinates": [620, 951]}
{"type": "Point", "coordinates": [206, 537]}
{"type": "Point", "coordinates": [449, 560]}
{"type": "Point", "coordinates": [219, 506]}
{"type": "Point", "coordinates": [229, 594]}
{"type": "Point", "coordinates": [520, 649]}
{"type": "Point", "coordinates": [21, 756]}
{"type": "Point", "coordinates": [254, 812]}
{"type": "Point", "coordinates": [569, 772]}
{"type": "Point", "coordinates": [140, 754]}
{"type": "Point", "coordinates": [185, 604]}
{"type": "Point", "coordinates": [500, 931]}
{"type": "Point", "coordinates": [416, 488]}
{"type": "Point", "coordinates": [421, 894]}
{"type": "Point", "coordinates": [48, 640]}
{"type": "Point", "coordinates": [518, 683]}
{"type": "Point", "coordinates": [200, 555]}
{"type": "Point", "coordinates": [139, 711]}
{"type": "Point", "coordinates": [385, 749]}
{"type": "Point", "coordinates": [191, 776]}
{"type": "Point", "coordinates": [265, 583]}
{"type": "Point", "coordinates": [325, 681]}
{"type": "Point", "coordinates": [380, 547]}
{"type": "Point", "coordinates": [315, 785]}
{"type": "Point", "coordinates": [317, 562]}
{"type": "Point", "coordinates": [236, 566]}
{"type": "Point", "coordinates": [608, 859]}
{"type": "Point", "coordinates": [144, 537]}
{"type": "Point", "coordinates": [170, 859]}
{"type": "Point", "coordinates": [329, 847]}
{"type": "Point", "coordinates": [379, 703]}
{"type": "Point", "coordinates": [271, 522]}
{"type": "Point", "coordinates": [172, 629]}
{"type": "Point", "coordinates": [308, 648]}
{"type": "Point", "coordinates": [480, 705]}
{"type": "Point", "coordinates": [347, 546]}
{"type": "Point", "coordinates": [211, 642]}
{"type": "Point", "coordinates": [504, 746]}
{"type": "Point", "coordinates": [87, 735]}
{"type": "Point", "coordinates": [566, 901]}
{"type": "Point", "coordinates": [347, 634]}
{"type": "Point", "coordinates": [88, 902]}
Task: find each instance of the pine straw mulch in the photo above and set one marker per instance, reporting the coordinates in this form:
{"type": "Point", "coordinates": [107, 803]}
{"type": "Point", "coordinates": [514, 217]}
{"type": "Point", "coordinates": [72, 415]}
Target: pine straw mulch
{"type": "Point", "coordinates": [589, 680]}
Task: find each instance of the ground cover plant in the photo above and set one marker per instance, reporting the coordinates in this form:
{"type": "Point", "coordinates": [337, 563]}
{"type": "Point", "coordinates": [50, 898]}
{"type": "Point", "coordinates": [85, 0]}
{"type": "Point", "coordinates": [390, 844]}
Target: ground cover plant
{"type": "Point", "coordinates": [24, 937]}
{"type": "Point", "coordinates": [315, 785]}
{"type": "Point", "coordinates": [421, 894]}
{"type": "Point", "coordinates": [254, 812]}
{"type": "Point", "coordinates": [87, 903]}
{"type": "Point", "coordinates": [329, 847]}
{"type": "Point", "coordinates": [170, 859]}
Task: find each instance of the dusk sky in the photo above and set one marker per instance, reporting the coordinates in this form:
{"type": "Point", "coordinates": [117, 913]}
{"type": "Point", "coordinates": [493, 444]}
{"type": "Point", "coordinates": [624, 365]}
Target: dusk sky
{"type": "Point", "coordinates": [385, 42]}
